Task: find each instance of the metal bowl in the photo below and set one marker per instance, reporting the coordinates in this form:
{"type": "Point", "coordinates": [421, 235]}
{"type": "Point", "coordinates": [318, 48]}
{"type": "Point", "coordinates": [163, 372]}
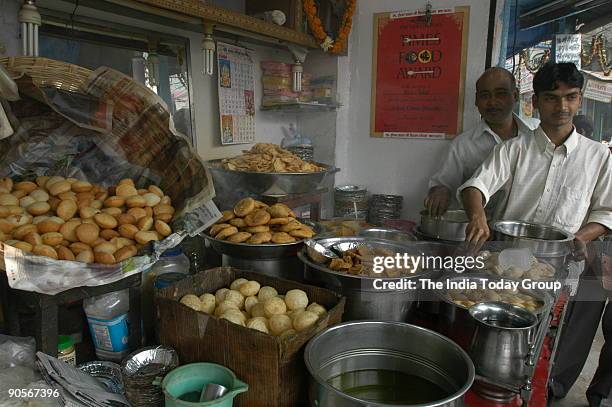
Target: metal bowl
{"type": "Point", "coordinates": [270, 183]}
{"type": "Point", "coordinates": [363, 299]}
{"type": "Point", "coordinates": [255, 251]}
{"type": "Point", "coordinates": [260, 251]}
{"type": "Point", "coordinates": [450, 226]}
{"type": "Point", "coordinates": [387, 234]}
{"type": "Point", "coordinates": [543, 240]}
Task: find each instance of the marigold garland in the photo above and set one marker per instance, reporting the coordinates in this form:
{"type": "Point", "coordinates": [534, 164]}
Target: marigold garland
{"type": "Point", "coordinates": [327, 42]}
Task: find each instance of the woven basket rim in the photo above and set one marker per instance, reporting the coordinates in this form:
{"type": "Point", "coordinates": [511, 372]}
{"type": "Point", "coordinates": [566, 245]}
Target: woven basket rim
{"type": "Point", "coordinates": [48, 72]}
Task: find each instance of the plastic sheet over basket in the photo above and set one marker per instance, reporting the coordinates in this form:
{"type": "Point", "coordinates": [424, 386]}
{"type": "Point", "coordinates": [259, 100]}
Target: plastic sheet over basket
{"type": "Point", "coordinates": [112, 128]}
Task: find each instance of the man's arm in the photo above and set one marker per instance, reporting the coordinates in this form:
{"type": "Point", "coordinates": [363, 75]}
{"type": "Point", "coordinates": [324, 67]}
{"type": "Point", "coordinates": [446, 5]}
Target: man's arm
{"type": "Point", "coordinates": [445, 182]}
{"type": "Point", "coordinates": [494, 172]}
{"type": "Point", "coordinates": [477, 230]}
{"type": "Point", "coordinates": [599, 221]}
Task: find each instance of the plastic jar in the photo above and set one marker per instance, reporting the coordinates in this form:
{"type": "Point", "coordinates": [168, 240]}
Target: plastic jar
{"type": "Point", "coordinates": [171, 261]}
{"type": "Point", "coordinates": [107, 316]}
{"type": "Point", "coordinates": [65, 350]}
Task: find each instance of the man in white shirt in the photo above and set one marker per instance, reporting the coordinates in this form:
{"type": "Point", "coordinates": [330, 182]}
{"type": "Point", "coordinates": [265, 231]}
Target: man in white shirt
{"type": "Point", "coordinates": [555, 177]}
{"type": "Point", "coordinates": [496, 95]}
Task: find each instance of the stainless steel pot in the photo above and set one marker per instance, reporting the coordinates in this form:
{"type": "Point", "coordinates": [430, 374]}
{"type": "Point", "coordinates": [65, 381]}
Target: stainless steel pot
{"type": "Point", "coordinates": [350, 357]}
{"type": "Point", "coordinates": [455, 319]}
{"type": "Point", "coordinates": [363, 299]}
{"type": "Point", "coordinates": [503, 342]}
{"type": "Point", "coordinates": [450, 226]}
{"type": "Point", "coordinates": [543, 240]}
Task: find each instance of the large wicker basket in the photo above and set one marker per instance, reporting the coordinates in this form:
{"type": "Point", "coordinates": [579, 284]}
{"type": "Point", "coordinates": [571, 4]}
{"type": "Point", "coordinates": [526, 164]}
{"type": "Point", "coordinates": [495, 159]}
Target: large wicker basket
{"type": "Point", "coordinates": [48, 72]}
{"type": "Point", "coordinates": [140, 136]}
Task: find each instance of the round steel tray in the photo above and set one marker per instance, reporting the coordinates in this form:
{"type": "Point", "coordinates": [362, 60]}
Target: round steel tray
{"type": "Point", "coordinates": [261, 251]}
{"type": "Point", "coordinates": [270, 183]}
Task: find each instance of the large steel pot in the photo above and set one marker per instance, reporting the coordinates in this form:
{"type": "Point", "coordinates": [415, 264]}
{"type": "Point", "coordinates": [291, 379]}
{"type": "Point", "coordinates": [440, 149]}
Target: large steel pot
{"type": "Point", "coordinates": [450, 226]}
{"type": "Point", "coordinates": [543, 240]}
{"type": "Point", "coordinates": [364, 298]}
{"type": "Point", "coordinates": [503, 342]}
{"type": "Point", "coordinates": [455, 319]}
{"type": "Point", "coordinates": [356, 357]}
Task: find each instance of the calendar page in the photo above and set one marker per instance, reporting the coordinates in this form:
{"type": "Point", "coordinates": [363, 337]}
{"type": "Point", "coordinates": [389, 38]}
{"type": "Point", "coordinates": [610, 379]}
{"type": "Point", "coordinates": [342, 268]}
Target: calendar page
{"type": "Point", "coordinates": [236, 94]}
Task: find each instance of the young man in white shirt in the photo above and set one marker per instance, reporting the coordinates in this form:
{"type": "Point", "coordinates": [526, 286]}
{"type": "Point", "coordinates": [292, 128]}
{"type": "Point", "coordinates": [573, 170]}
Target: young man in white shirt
{"type": "Point", "coordinates": [496, 95]}
{"type": "Point", "coordinates": [555, 177]}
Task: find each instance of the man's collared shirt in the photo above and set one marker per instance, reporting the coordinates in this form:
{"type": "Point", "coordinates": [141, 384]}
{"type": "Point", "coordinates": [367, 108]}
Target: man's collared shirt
{"type": "Point", "coordinates": [565, 186]}
{"type": "Point", "coordinates": [467, 151]}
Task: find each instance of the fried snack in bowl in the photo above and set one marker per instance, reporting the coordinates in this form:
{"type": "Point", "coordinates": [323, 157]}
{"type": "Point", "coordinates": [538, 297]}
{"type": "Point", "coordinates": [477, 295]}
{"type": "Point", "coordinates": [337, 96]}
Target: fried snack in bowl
{"type": "Point", "coordinates": [269, 158]}
{"type": "Point", "coordinates": [253, 222]}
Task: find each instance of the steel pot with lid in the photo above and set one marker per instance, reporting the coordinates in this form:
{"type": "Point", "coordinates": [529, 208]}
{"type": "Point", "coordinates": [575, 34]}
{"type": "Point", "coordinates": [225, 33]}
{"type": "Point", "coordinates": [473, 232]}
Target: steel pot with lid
{"type": "Point", "coordinates": [377, 364]}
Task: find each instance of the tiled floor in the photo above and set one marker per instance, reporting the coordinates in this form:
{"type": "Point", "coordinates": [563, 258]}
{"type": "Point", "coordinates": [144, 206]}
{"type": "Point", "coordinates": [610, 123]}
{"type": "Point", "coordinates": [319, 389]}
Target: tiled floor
{"type": "Point", "coordinates": [576, 396]}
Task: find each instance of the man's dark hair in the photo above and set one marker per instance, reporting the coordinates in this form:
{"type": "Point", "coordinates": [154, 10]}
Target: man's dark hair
{"type": "Point", "coordinates": [584, 123]}
{"type": "Point", "coordinates": [548, 77]}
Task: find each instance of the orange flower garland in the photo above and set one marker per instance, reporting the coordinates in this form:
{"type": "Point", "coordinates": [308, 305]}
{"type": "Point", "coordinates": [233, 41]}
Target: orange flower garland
{"type": "Point", "coordinates": [328, 43]}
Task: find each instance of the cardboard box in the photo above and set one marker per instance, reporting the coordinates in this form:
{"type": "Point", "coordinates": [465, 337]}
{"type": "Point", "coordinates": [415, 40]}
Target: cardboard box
{"type": "Point", "coordinates": [274, 369]}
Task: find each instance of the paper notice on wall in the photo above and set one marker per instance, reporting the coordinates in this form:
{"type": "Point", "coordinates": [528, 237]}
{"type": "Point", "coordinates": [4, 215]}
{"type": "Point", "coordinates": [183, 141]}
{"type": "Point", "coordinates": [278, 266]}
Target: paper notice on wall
{"type": "Point", "coordinates": [236, 94]}
{"type": "Point", "coordinates": [568, 48]}
{"type": "Point", "coordinates": [597, 90]}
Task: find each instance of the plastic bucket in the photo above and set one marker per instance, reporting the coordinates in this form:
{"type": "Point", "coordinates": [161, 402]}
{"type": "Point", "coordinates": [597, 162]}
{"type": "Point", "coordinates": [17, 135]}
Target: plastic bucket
{"type": "Point", "coordinates": [193, 378]}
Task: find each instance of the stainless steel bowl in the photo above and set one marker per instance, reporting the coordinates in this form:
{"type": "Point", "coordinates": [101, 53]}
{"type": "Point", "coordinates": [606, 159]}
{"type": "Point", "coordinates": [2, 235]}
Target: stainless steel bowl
{"type": "Point", "coordinates": [260, 251]}
{"type": "Point", "coordinates": [357, 355]}
{"type": "Point", "coordinates": [387, 234]}
{"type": "Point", "coordinates": [543, 240]}
{"type": "Point", "coordinates": [363, 299]}
{"type": "Point", "coordinates": [456, 322]}
{"type": "Point", "coordinates": [266, 183]}
{"type": "Point", "coordinates": [450, 226]}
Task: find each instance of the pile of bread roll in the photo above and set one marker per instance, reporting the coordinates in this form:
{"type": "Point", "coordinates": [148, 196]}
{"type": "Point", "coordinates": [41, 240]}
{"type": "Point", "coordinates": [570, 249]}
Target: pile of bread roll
{"type": "Point", "coordinates": [248, 304]}
{"type": "Point", "coordinates": [69, 219]}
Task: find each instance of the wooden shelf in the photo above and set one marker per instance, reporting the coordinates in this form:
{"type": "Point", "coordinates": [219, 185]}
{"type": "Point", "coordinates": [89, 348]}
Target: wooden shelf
{"type": "Point", "coordinates": [185, 10]}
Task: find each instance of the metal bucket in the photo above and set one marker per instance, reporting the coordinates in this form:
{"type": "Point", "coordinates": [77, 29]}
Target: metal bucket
{"type": "Point", "coordinates": [349, 362]}
{"type": "Point", "coordinates": [503, 342]}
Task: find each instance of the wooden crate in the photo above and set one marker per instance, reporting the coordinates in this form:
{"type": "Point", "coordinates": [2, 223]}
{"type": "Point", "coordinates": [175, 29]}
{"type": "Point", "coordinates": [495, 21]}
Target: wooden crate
{"type": "Point", "coordinates": [274, 369]}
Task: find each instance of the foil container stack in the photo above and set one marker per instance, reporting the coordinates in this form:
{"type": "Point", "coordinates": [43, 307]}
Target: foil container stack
{"type": "Point", "coordinates": [108, 373]}
{"type": "Point", "coordinates": [142, 373]}
{"type": "Point", "coordinates": [384, 207]}
{"type": "Point", "coordinates": [351, 201]}
{"type": "Point", "coordinates": [304, 151]}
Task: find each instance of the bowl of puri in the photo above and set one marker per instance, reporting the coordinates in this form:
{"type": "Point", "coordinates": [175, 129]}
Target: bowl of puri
{"type": "Point", "coordinates": [252, 229]}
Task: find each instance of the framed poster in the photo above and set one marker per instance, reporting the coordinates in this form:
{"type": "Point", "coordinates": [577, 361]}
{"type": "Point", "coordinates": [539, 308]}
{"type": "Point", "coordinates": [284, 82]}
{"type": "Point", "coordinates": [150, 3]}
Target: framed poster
{"type": "Point", "coordinates": [236, 94]}
{"type": "Point", "coordinates": [418, 73]}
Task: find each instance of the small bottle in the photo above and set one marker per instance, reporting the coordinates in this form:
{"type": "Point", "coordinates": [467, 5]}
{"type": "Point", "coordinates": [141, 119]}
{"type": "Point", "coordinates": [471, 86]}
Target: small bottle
{"type": "Point", "coordinates": [65, 350]}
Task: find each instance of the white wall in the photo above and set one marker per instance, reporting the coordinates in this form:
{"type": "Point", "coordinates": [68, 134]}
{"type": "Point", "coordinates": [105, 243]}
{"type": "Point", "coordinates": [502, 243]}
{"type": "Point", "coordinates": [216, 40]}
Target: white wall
{"type": "Point", "coordinates": [205, 98]}
{"type": "Point", "coordinates": [395, 166]}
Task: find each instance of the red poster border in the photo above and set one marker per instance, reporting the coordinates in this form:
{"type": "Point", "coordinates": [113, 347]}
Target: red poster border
{"type": "Point", "coordinates": [465, 11]}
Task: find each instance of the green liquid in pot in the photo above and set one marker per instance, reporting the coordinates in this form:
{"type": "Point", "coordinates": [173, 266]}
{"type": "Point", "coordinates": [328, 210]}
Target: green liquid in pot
{"type": "Point", "coordinates": [388, 386]}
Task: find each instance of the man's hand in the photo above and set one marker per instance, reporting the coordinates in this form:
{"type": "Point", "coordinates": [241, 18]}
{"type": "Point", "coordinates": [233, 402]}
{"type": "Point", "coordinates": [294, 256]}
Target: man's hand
{"type": "Point", "coordinates": [438, 200]}
{"type": "Point", "coordinates": [477, 231]}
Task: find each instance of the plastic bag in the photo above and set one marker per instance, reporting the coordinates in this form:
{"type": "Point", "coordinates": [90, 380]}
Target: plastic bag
{"type": "Point", "coordinates": [17, 351]}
